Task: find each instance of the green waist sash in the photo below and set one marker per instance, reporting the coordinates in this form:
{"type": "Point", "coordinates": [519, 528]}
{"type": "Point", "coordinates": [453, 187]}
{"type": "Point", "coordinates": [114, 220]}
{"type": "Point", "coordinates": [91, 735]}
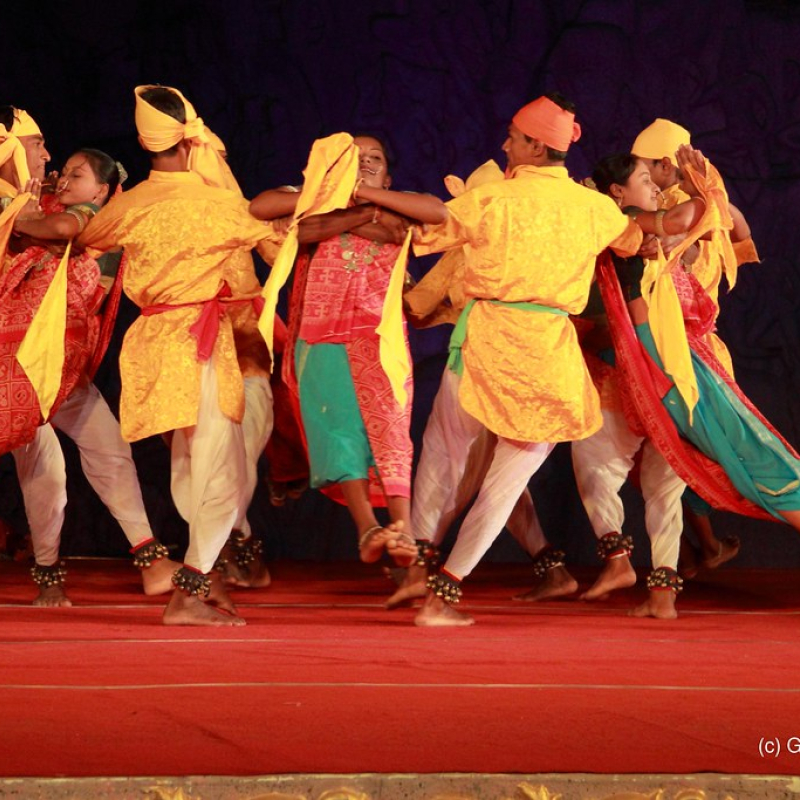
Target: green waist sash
{"type": "Point", "coordinates": [454, 362]}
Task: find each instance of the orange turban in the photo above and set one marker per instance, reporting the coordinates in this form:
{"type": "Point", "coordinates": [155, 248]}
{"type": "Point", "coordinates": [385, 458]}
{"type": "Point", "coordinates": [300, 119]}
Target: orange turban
{"type": "Point", "coordinates": [547, 122]}
{"type": "Point", "coordinates": [159, 131]}
{"type": "Point", "coordinates": [660, 139]}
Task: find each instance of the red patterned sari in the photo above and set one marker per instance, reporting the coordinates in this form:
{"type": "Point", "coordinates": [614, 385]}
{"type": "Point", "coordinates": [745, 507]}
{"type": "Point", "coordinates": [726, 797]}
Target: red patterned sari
{"type": "Point", "coordinates": [23, 285]}
{"type": "Point", "coordinates": [643, 385]}
{"type": "Point", "coordinates": [338, 298]}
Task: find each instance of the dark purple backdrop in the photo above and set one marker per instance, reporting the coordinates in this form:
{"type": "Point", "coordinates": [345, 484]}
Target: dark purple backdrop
{"type": "Point", "coordinates": [439, 79]}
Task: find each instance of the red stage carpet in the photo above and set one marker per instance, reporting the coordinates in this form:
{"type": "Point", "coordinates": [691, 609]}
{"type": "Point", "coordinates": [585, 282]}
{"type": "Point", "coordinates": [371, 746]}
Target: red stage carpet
{"type": "Point", "coordinates": [323, 680]}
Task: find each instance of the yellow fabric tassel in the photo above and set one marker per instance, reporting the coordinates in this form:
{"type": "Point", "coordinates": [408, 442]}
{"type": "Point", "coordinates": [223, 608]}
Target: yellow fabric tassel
{"type": "Point", "coordinates": [41, 353]}
{"type": "Point", "coordinates": [7, 219]}
{"type": "Point", "coordinates": [329, 180]}
{"type": "Point", "coordinates": [745, 252]}
{"type": "Point", "coordinates": [393, 350]}
{"type": "Point", "coordinates": [11, 149]}
{"type": "Point", "coordinates": [658, 290]}
{"type": "Point", "coordinates": [666, 324]}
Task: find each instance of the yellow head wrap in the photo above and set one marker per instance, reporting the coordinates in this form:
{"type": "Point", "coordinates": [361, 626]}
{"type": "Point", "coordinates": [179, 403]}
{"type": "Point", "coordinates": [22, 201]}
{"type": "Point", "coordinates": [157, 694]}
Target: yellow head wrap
{"type": "Point", "coordinates": [24, 124]}
{"type": "Point", "coordinates": [159, 131]}
{"type": "Point", "coordinates": [215, 141]}
{"type": "Point", "coordinates": [661, 138]}
{"type": "Point", "coordinates": [12, 149]}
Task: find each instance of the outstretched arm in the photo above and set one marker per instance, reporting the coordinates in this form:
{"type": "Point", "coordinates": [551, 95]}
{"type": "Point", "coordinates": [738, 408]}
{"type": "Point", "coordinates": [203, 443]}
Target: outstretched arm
{"type": "Point", "coordinates": [55, 226]}
{"type": "Point", "coordinates": [274, 203]}
{"type": "Point", "coordinates": [423, 207]}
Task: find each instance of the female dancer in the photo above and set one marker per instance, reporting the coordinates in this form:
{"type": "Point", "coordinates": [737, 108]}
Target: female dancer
{"type": "Point", "coordinates": [88, 180]}
{"type": "Point", "coordinates": [357, 432]}
{"type": "Point", "coordinates": [722, 424]}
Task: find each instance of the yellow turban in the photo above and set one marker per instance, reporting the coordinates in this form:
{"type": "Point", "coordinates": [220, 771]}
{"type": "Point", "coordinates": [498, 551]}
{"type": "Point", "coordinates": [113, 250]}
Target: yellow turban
{"type": "Point", "coordinates": [159, 131]}
{"type": "Point", "coordinates": [660, 139]}
{"type": "Point", "coordinates": [12, 149]}
{"type": "Point", "coordinates": [24, 124]}
{"type": "Point", "coordinates": [215, 141]}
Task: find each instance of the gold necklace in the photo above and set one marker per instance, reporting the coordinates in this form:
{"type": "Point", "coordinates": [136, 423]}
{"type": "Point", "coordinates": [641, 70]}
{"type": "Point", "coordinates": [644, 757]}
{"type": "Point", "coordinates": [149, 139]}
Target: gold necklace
{"type": "Point", "coordinates": [349, 254]}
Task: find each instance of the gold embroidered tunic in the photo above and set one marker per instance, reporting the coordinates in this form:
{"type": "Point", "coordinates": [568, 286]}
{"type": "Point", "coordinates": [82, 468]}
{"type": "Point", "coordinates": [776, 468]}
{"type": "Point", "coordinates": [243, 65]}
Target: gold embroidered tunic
{"type": "Point", "coordinates": [186, 243]}
{"type": "Point", "coordinates": [532, 238]}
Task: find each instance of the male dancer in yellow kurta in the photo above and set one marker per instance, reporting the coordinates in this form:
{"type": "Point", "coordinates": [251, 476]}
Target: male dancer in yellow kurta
{"type": "Point", "coordinates": [194, 362]}
{"type": "Point", "coordinates": [530, 244]}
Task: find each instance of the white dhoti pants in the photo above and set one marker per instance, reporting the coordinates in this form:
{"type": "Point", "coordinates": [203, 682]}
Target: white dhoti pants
{"type": "Point", "coordinates": [213, 470]}
{"type": "Point", "coordinates": [438, 487]}
{"type": "Point", "coordinates": [602, 463]}
{"type": "Point", "coordinates": [107, 463]}
{"type": "Point", "coordinates": [257, 426]}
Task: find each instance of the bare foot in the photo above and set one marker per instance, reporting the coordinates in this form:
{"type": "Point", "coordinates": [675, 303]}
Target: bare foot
{"type": "Point", "coordinates": [727, 549]}
{"type": "Point", "coordinates": [52, 597]}
{"type": "Point", "coordinates": [435, 613]}
{"type": "Point", "coordinates": [253, 576]}
{"type": "Point", "coordinates": [395, 574]}
{"type": "Point", "coordinates": [184, 609]}
{"type": "Point", "coordinates": [372, 544]}
{"type": "Point", "coordinates": [157, 578]}
{"type": "Point", "coordinates": [557, 582]}
{"type": "Point", "coordinates": [617, 574]}
{"type": "Point", "coordinates": [218, 596]}
{"type": "Point", "coordinates": [401, 545]}
{"type": "Point", "coordinates": [660, 605]}
{"type": "Point", "coordinates": [689, 559]}
{"type": "Point", "coordinates": [412, 587]}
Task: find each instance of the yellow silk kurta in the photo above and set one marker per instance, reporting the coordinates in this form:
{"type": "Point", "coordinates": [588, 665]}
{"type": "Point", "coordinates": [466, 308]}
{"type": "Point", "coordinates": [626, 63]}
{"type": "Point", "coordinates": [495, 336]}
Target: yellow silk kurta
{"type": "Point", "coordinates": [531, 238]}
{"type": "Point", "coordinates": [184, 240]}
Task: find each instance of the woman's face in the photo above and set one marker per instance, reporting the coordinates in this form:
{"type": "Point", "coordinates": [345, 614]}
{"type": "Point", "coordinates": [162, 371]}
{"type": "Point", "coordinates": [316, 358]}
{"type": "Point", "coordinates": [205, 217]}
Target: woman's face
{"type": "Point", "coordinates": [639, 191]}
{"type": "Point", "coordinates": [373, 167]}
{"type": "Point", "coordinates": [79, 184]}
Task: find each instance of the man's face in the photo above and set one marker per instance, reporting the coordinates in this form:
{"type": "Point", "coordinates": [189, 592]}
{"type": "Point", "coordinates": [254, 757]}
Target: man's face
{"type": "Point", "coordinates": [518, 149]}
{"type": "Point", "coordinates": [662, 173]}
{"type": "Point", "coordinates": [36, 153]}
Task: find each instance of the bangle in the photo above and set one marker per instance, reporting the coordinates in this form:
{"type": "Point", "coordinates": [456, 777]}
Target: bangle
{"type": "Point", "coordinates": [376, 215]}
{"type": "Point", "coordinates": [357, 187]}
{"type": "Point", "coordinates": [659, 222]}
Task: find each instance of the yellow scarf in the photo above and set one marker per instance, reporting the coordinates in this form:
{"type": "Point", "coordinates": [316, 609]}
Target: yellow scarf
{"type": "Point", "coordinates": [329, 179]}
{"type": "Point", "coordinates": [658, 290]}
{"type": "Point", "coordinates": [12, 149]}
{"type": "Point", "coordinates": [159, 131]}
{"type": "Point", "coordinates": [42, 352]}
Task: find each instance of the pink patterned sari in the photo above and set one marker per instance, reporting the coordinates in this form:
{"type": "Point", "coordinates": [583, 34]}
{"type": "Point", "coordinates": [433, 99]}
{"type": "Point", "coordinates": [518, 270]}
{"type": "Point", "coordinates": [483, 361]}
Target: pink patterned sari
{"type": "Point", "coordinates": [22, 288]}
{"type": "Point", "coordinates": [338, 298]}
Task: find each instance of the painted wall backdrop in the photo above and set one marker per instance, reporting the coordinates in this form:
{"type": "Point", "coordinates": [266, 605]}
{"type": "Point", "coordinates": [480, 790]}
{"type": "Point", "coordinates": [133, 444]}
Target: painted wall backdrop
{"type": "Point", "coordinates": [439, 79]}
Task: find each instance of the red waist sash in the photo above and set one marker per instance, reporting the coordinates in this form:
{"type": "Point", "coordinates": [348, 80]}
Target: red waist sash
{"type": "Point", "coordinates": [206, 329]}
